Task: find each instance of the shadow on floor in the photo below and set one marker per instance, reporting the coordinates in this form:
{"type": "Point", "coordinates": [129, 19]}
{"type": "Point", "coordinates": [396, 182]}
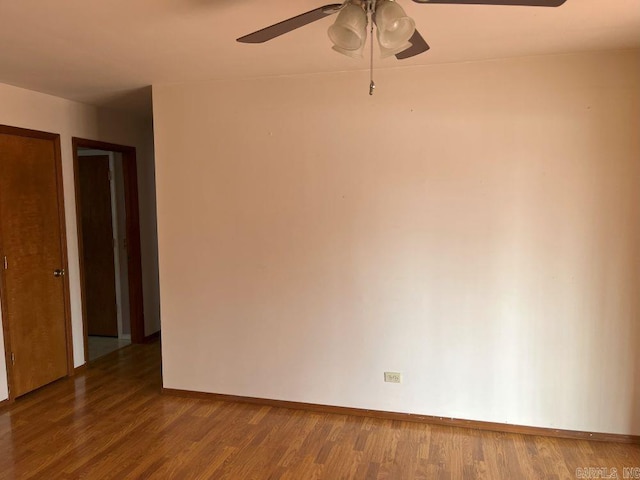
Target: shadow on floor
{"type": "Point", "coordinates": [101, 346]}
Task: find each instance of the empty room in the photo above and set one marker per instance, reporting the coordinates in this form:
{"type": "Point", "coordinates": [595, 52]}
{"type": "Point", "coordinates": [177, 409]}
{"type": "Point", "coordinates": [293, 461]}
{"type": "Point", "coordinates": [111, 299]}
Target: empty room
{"type": "Point", "coordinates": [286, 240]}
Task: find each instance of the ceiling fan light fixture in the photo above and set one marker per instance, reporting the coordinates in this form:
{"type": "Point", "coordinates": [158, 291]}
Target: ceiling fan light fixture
{"type": "Point", "coordinates": [350, 53]}
{"type": "Point", "coordinates": [349, 32]}
{"type": "Point", "coordinates": [395, 28]}
{"type": "Point", "coordinates": [388, 52]}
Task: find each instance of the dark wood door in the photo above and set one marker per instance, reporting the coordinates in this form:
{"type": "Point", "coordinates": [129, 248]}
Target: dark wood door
{"type": "Point", "coordinates": [32, 262]}
{"type": "Point", "coordinates": [97, 245]}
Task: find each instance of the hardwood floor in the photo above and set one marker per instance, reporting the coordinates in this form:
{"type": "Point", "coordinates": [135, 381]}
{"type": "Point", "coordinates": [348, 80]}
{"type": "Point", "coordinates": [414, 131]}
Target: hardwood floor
{"type": "Point", "coordinates": [112, 422]}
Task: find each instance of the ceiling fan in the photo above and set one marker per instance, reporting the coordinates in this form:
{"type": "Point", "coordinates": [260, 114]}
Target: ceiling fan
{"type": "Point", "coordinates": [396, 32]}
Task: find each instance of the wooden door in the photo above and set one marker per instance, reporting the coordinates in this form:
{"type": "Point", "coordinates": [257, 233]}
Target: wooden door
{"type": "Point", "coordinates": [132, 220]}
{"type": "Point", "coordinates": [97, 245]}
{"type": "Point", "coordinates": [33, 260]}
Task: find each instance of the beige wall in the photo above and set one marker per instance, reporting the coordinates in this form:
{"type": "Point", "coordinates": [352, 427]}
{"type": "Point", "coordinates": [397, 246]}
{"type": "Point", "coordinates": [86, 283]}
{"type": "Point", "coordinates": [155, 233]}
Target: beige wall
{"type": "Point", "coordinates": [473, 226]}
{"type": "Point", "coordinates": [27, 109]}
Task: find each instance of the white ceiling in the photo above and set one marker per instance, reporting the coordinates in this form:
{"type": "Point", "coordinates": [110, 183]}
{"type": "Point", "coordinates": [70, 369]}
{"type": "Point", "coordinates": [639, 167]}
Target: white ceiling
{"type": "Point", "coordinates": [105, 52]}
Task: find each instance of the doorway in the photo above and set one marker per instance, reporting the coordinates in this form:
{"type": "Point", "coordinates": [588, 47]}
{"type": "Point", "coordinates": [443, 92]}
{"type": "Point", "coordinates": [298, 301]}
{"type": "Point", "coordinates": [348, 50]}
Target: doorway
{"type": "Point", "coordinates": [34, 289]}
{"type": "Point", "coordinates": [109, 246]}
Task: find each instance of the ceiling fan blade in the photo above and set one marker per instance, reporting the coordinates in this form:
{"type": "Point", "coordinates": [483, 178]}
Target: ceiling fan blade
{"type": "Point", "coordinates": [523, 3]}
{"type": "Point", "coordinates": [290, 24]}
{"type": "Point", "coordinates": [418, 46]}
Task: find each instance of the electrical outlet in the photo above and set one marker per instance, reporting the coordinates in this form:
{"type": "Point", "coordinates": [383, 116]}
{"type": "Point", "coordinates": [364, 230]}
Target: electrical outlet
{"type": "Point", "coordinates": [393, 377]}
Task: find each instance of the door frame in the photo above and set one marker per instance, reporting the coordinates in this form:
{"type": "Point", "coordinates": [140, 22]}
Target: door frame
{"type": "Point", "coordinates": [134, 257]}
{"type": "Point", "coordinates": [55, 138]}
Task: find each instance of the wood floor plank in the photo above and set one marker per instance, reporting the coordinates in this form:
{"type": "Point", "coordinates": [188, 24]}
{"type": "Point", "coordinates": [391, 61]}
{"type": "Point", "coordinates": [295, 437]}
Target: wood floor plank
{"type": "Point", "coordinates": [112, 422]}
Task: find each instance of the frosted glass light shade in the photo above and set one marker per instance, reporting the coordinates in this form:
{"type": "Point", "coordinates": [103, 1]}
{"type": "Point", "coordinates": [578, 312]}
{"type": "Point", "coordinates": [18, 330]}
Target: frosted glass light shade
{"type": "Point", "coordinates": [350, 53]}
{"type": "Point", "coordinates": [388, 52]}
{"type": "Point", "coordinates": [349, 32]}
{"type": "Point", "coordinates": [394, 27]}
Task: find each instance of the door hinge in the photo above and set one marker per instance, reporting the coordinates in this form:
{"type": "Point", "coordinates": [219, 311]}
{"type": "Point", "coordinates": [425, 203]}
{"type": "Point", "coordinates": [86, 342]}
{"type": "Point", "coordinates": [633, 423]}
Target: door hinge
{"type": "Point", "coordinates": [6, 263]}
{"type": "Point", "coordinates": [110, 176]}
{"type": "Point", "coordinates": [13, 358]}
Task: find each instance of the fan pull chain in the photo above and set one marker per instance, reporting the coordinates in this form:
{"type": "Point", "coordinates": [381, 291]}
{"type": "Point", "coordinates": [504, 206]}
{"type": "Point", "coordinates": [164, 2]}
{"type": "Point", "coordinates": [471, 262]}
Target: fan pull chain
{"type": "Point", "coordinates": [372, 85]}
